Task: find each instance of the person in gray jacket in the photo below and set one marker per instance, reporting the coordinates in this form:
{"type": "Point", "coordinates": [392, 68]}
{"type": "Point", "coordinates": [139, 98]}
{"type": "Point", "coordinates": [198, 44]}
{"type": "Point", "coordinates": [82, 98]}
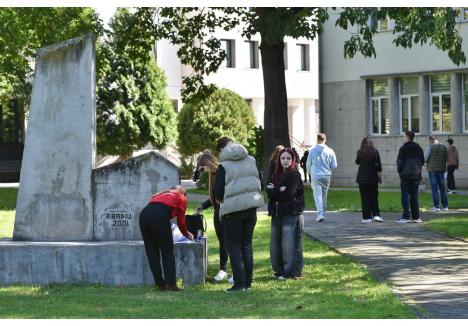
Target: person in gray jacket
{"type": "Point", "coordinates": [238, 191]}
{"type": "Point", "coordinates": [435, 155]}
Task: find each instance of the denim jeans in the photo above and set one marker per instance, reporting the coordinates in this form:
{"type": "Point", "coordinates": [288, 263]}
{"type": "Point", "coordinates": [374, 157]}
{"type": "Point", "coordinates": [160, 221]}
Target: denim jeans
{"type": "Point", "coordinates": [320, 189]}
{"type": "Point", "coordinates": [409, 198]}
{"type": "Point", "coordinates": [286, 245]}
{"type": "Point", "coordinates": [238, 231]}
{"type": "Point", "coordinates": [438, 184]}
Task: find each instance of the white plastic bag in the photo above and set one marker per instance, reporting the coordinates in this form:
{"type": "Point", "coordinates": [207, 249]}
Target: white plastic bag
{"type": "Point", "coordinates": [177, 236]}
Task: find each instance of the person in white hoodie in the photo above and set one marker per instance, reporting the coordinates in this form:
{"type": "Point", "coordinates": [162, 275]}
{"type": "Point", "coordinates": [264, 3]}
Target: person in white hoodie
{"type": "Point", "coordinates": [321, 162]}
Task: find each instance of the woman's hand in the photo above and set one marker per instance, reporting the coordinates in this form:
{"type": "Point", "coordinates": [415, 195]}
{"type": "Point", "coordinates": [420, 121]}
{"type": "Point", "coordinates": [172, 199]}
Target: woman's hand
{"type": "Point", "coordinates": [270, 186]}
{"type": "Point", "coordinates": [190, 235]}
{"type": "Point", "coordinates": [283, 188]}
{"type": "Point", "coordinates": [198, 210]}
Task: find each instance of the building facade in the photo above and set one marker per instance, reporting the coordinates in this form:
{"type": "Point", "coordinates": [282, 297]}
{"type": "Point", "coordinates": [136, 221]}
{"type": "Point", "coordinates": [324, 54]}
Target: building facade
{"type": "Point", "coordinates": [241, 72]}
{"type": "Point", "coordinates": [417, 89]}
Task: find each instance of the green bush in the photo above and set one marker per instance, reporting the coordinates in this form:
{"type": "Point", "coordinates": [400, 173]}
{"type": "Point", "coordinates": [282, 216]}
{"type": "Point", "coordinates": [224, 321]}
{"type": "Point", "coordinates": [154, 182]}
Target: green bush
{"type": "Point", "coordinates": [202, 183]}
{"type": "Point", "coordinates": [255, 145]}
{"type": "Point", "coordinates": [223, 113]}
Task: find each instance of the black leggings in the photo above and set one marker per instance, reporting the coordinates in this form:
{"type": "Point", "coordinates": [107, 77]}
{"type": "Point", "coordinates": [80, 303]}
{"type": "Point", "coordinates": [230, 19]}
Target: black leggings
{"type": "Point", "coordinates": [156, 230]}
{"type": "Point", "coordinates": [223, 253]}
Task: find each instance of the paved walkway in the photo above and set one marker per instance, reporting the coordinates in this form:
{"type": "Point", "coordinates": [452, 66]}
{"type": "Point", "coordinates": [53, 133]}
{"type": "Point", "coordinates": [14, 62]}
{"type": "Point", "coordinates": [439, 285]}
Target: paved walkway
{"type": "Point", "coordinates": [427, 270]}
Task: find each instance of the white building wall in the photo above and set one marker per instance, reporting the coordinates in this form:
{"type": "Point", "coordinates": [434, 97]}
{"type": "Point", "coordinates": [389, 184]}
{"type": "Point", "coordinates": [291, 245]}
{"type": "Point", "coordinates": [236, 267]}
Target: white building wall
{"type": "Point", "coordinates": [302, 86]}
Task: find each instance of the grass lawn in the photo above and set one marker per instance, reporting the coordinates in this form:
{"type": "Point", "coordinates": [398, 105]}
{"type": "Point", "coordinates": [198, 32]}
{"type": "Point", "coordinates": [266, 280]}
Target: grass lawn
{"type": "Point", "coordinates": [7, 211]}
{"type": "Point", "coordinates": [389, 201]}
{"type": "Point", "coordinates": [334, 286]}
{"type": "Point", "coordinates": [453, 226]}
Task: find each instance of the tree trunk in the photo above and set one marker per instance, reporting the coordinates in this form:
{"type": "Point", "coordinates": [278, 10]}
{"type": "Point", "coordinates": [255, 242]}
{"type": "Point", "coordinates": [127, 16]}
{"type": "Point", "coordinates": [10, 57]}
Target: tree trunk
{"type": "Point", "coordinates": [275, 118]}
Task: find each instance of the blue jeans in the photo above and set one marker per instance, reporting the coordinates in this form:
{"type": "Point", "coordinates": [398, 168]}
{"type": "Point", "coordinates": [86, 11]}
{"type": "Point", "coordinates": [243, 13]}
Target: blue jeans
{"type": "Point", "coordinates": [438, 184]}
{"type": "Point", "coordinates": [320, 189]}
{"type": "Point", "coordinates": [286, 245]}
{"type": "Point", "coordinates": [409, 198]}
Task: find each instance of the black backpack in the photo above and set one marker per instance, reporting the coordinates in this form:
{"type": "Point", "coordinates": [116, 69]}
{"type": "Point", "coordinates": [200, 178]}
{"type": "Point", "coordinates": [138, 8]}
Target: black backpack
{"type": "Point", "coordinates": [194, 223]}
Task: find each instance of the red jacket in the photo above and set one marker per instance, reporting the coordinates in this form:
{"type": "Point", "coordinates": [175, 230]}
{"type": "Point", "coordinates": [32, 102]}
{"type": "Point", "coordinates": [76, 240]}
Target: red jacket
{"type": "Point", "coordinates": [178, 202]}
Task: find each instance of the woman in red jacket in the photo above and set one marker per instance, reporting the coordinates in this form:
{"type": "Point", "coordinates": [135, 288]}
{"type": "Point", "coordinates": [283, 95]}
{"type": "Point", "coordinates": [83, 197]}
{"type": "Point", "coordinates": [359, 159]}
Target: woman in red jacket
{"type": "Point", "coordinates": [156, 230]}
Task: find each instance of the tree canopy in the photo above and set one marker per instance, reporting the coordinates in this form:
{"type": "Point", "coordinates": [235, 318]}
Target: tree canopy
{"type": "Point", "coordinates": [222, 113]}
{"type": "Point", "coordinates": [133, 108]}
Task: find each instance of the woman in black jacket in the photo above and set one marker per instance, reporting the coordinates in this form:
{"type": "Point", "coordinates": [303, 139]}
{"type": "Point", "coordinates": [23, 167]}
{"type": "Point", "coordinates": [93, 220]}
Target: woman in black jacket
{"type": "Point", "coordinates": [368, 178]}
{"type": "Point", "coordinates": [286, 194]}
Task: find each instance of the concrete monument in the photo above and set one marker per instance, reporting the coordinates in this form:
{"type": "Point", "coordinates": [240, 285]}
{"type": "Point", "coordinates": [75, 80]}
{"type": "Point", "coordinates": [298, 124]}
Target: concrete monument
{"type": "Point", "coordinates": [54, 199]}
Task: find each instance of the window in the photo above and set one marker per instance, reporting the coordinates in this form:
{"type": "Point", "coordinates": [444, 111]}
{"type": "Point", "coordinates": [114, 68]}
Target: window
{"type": "Point", "coordinates": [380, 25]}
{"type": "Point", "coordinates": [464, 14]}
{"type": "Point", "coordinates": [465, 102]}
{"type": "Point", "coordinates": [441, 112]}
{"type": "Point", "coordinates": [229, 48]}
{"type": "Point", "coordinates": [409, 104]}
{"type": "Point", "coordinates": [285, 56]}
{"type": "Point", "coordinates": [253, 53]}
{"type": "Point", "coordinates": [304, 56]}
{"type": "Point", "coordinates": [379, 106]}
{"type": "Point", "coordinates": [248, 101]}
{"type": "Point", "coordinates": [9, 122]}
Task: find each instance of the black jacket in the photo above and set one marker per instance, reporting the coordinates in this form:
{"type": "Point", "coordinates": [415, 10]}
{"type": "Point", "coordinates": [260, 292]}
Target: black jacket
{"type": "Point", "coordinates": [367, 172]}
{"type": "Point", "coordinates": [410, 161]}
{"type": "Point", "coordinates": [289, 201]}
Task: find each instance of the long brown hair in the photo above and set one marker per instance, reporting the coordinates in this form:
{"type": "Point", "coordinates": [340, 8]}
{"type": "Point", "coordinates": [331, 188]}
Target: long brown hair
{"type": "Point", "coordinates": [275, 154]}
{"type": "Point", "coordinates": [208, 159]}
{"type": "Point", "coordinates": [279, 172]}
{"type": "Point", "coordinates": [367, 149]}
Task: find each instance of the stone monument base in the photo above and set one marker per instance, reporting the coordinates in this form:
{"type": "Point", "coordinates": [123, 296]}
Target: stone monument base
{"type": "Point", "coordinates": [113, 263]}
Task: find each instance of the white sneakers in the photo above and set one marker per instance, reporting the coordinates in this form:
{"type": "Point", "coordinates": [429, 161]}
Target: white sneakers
{"type": "Point", "coordinates": [220, 276]}
{"type": "Point", "coordinates": [366, 221]}
{"type": "Point", "coordinates": [378, 219]}
{"type": "Point", "coordinates": [320, 218]}
{"type": "Point", "coordinates": [435, 209]}
{"type": "Point", "coordinates": [231, 280]}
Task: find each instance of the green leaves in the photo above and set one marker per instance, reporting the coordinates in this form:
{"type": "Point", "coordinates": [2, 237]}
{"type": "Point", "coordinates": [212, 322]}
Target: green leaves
{"type": "Point", "coordinates": [223, 113]}
{"type": "Point", "coordinates": [133, 108]}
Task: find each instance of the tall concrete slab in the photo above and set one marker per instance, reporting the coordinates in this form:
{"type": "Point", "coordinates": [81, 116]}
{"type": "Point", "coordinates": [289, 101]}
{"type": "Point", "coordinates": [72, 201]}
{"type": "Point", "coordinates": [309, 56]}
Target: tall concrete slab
{"type": "Point", "coordinates": [54, 199]}
{"type": "Point", "coordinates": [121, 190]}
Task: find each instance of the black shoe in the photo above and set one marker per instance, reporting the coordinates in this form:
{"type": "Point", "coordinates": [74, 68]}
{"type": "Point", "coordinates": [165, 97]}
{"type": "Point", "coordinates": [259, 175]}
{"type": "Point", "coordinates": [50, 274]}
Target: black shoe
{"type": "Point", "coordinates": [235, 289]}
{"type": "Point", "coordinates": [162, 287]}
{"type": "Point", "coordinates": [173, 287]}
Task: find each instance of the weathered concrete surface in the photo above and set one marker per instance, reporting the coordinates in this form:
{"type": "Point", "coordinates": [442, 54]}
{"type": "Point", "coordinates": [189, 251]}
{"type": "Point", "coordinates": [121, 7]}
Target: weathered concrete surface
{"type": "Point", "coordinates": [427, 270]}
{"type": "Point", "coordinates": [108, 262]}
{"type": "Point", "coordinates": [54, 200]}
{"type": "Point", "coordinates": [122, 190]}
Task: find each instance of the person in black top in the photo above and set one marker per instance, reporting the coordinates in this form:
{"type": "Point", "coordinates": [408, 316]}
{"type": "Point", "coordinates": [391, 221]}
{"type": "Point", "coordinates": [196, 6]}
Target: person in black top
{"type": "Point", "coordinates": [303, 165]}
{"type": "Point", "coordinates": [409, 165]}
{"type": "Point", "coordinates": [286, 194]}
{"type": "Point", "coordinates": [368, 178]}
{"type": "Point", "coordinates": [209, 164]}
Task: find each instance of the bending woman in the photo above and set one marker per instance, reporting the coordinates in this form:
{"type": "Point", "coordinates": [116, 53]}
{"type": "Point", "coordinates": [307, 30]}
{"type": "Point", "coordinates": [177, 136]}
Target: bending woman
{"type": "Point", "coordinates": [156, 230]}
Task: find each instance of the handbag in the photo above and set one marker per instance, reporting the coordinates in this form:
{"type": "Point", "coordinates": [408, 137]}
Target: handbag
{"type": "Point", "coordinates": [195, 223]}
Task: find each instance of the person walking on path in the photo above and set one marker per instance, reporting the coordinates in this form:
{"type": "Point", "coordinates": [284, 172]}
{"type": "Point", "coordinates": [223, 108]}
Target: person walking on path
{"type": "Point", "coordinates": [155, 227]}
{"type": "Point", "coordinates": [303, 165]}
{"type": "Point", "coordinates": [452, 165]}
{"type": "Point", "coordinates": [285, 207]}
{"type": "Point", "coordinates": [368, 178]}
{"type": "Point", "coordinates": [238, 190]}
{"type": "Point", "coordinates": [435, 155]}
{"type": "Point", "coordinates": [209, 164]}
{"type": "Point", "coordinates": [321, 163]}
{"type": "Point", "coordinates": [409, 166]}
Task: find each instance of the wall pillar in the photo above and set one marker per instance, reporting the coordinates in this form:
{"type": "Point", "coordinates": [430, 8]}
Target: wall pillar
{"type": "Point", "coordinates": [456, 102]}
{"type": "Point", "coordinates": [394, 105]}
{"type": "Point", "coordinates": [424, 106]}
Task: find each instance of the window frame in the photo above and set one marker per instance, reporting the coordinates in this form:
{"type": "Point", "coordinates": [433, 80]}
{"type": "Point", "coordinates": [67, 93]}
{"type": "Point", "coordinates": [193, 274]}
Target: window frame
{"type": "Point", "coordinates": [254, 56]}
{"type": "Point", "coordinates": [230, 60]}
{"type": "Point", "coordinates": [378, 98]}
{"type": "Point", "coordinates": [431, 107]}
{"type": "Point", "coordinates": [304, 56]}
{"type": "Point", "coordinates": [408, 97]}
{"type": "Point", "coordinates": [464, 108]}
